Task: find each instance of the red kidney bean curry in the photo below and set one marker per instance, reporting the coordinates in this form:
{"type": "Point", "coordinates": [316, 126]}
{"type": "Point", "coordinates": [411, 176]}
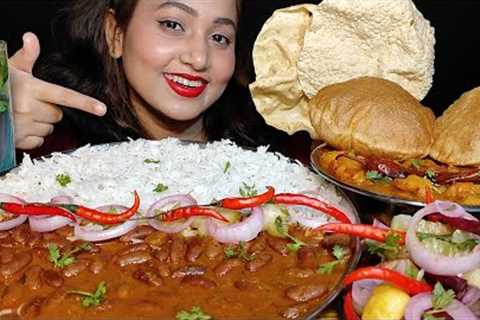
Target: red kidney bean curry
{"type": "Point", "coordinates": [148, 274]}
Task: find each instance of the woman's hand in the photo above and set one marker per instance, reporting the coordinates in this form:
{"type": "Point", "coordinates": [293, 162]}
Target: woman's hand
{"type": "Point", "coordinates": [35, 101]}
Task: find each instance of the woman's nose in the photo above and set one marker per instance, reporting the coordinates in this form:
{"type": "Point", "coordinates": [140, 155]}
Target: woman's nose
{"type": "Point", "coordinates": [196, 53]}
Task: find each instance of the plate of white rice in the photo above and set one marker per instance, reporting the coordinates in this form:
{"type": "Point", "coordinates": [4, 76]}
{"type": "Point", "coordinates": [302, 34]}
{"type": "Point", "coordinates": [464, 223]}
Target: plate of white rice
{"type": "Point", "coordinates": [109, 173]}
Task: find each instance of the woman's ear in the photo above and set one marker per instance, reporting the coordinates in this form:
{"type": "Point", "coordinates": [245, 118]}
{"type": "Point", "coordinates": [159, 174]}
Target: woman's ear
{"type": "Point", "coordinates": [113, 35]}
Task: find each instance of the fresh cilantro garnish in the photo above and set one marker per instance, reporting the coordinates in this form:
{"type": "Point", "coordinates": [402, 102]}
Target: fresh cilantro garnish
{"type": "Point", "coordinates": [430, 175]}
{"type": "Point", "coordinates": [92, 299]}
{"type": "Point", "coordinates": [227, 167]}
{"type": "Point", "coordinates": [247, 191]}
{"type": "Point", "coordinates": [63, 179]}
{"type": "Point", "coordinates": [388, 250]}
{"type": "Point", "coordinates": [195, 314]}
{"type": "Point", "coordinates": [151, 161]}
{"type": "Point", "coordinates": [417, 163]}
{"type": "Point", "coordinates": [283, 230]}
{"type": "Point", "coordinates": [3, 104]}
{"type": "Point", "coordinates": [441, 298]}
{"type": "Point", "coordinates": [339, 253]}
{"type": "Point", "coordinates": [238, 252]}
{"type": "Point", "coordinates": [375, 176]}
{"type": "Point", "coordinates": [411, 271]}
{"type": "Point", "coordinates": [160, 188]}
{"type": "Point", "coordinates": [61, 261]}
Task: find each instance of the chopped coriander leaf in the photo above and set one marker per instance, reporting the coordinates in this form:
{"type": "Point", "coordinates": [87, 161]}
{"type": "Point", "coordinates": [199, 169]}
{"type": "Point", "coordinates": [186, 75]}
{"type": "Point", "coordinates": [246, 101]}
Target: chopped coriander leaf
{"type": "Point", "coordinates": [238, 252]}
{"type": "Point", "coordinates": [389, 250]}
{"type": "Point", "coordinates": [160, 188]}
{"type": "Point", "coordinates": [374, 175]}
{"type": "Point", "coordinates": [339, 252]}
{"type": "Point", "coordinates": [283, 230]}
{"type": "Point", "coordinates": [63, 179]}
{"type": "Point", "coordinates": [227, 167]}
{"type": "Point", "coordinates": [417, 163]}
{"type": "Point", "coordinates": [327, 268]}
{"type": "Point", "coordinates": [247, 191]}
{"type": "Point", "coordinates": [3, 105]}
{"type": "Point", "coordinates": [195, 314]}
{"type": "Point", "coordinates": [61, 261]}
{"type": "Point", "coordinates": [230, 252]}
{"type": "Point", "coordinates": [431, 175]}
{"type": "Point", "coordinates": [151, 161]}
{"type": "Point", "coordinates": [92, 299]}
{"type": "Point", "coordinates": [441, 298]}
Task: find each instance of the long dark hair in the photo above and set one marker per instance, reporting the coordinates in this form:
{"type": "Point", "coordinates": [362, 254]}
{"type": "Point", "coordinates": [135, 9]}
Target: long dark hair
{"type": "Point", "coordinates": [83, 63]}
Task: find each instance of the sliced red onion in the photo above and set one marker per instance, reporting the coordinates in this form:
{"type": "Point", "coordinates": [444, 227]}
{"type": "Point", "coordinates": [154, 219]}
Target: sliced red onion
{"type": "Point", "coordinates": [245, 230]}
{"type": "Point", "coordinates": [471, 296]}
{"type": "Point", "coordinates": [307, 217]}
{"type": "Point", "coordinates": [422, 302]}
{"type": "Point", "coordinates": [379, 224]}
{"type": "Point", "coordinates": [17, 220]}
{"type": "Point", "coordinates": [96, 232]}
{"type": "Point", "coordinates": [433, 262]}
{"type": "Point", "coordinates": [180, 200]}
{"type": "Point", "coordinates": [50, 223]}
{"type": "Point", "coordinates": [361, 292]}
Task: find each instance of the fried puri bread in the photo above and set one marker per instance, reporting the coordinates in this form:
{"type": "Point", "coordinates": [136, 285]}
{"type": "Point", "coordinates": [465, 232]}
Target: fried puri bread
{"type": "Point", "coordinates": [373, 117]}
{"type": "Point", "coordinates": [457, 132]}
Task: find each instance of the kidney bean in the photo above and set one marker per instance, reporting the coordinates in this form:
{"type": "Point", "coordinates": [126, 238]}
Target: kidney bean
{"type": "Point", "coordinates": [194, 250]}
{"type": "Point", "coordinates": [300, 273]}
{"type": "Point", "coordinates": [279, 245]}
{"type": "Point", "coordinates": [259, 245]}
{"type": "Point", "coordinates": [307, 258]}
{"type": "Point", "coordinates": [163, 253]}
{"type": "Point", "coordinates": [57, 297]}
{"type": "Point", "coordinates": [149, 277]}
{"type": "Point", "coordinates": [245, 284]}
{"type": "Point", "coordinates": [32, 308]}
{"type": "Point", "coordinates": [20, 262]}
{"type": "Point", "coordinates": [294, 312]}
{"type": "Point", "coordinates": [134, 248]}
{"type": "Point", "coordinates": [227, 265]}
{"type": "Point", "coordinates": [303, 293]}
{"type": "Point", "coordinates": [140, 232]}
{"type": "Point", "coordinates": [4, 235]}
{"type": "Point", "coordinates": [157, 239]}
{"type": "Point", "coordinates": [199, 281]}
{"type": "Point", "coordinates": [6, 255]}
{"type": "Point", "coordinates": [177, 250]}
{"type": "Point", "coordinates": [59, 242]}
{"type": "Point", "coordinates": [330, 240]}
{"type": "Point", "coordinates": [96, 266]}
{"type": "Point", "coordinates": [213, 249]}
{"type": "Point", "coordinates": [21, 234]}
{"type": "Point", "coordinates": [189, 271]}
{"type": "Point", "coordinates": [137, 257]}
{"type": "Point", "coordinates": [65, 232]}
{"type": "Point", "coordinates": [7, 243]}
{"type": "Point", "coordinates": [260, 261]}
{"type": "Point", "coordinates": [33, 279]}
{"type": "Point", "coordinates": [12, 295]}
{"type": "Point", "coordinates": [52, 278]}
{"type": "Point", "coordinates": [76, 268]}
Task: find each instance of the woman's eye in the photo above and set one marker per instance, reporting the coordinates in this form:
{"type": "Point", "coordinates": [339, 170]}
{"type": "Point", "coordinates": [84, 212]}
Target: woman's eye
{"type": "Point", "coordinates": [221, 39]}
{"type": "Point", "coordinates": [172, 25]}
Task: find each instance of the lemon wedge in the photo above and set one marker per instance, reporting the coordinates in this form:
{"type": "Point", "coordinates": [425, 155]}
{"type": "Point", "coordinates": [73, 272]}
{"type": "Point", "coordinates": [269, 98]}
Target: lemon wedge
{"type": "Point", "coordinates": [386, 303]}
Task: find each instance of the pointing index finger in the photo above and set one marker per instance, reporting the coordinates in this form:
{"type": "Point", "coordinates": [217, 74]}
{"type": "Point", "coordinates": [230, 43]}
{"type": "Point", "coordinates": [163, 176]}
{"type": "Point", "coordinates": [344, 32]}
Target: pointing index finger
{"type": "Point", "coordinates": [59, 95]}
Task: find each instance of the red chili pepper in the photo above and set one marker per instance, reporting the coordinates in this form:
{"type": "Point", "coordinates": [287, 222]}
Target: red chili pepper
{"type": "Point", "coordinates": [103, 217]}
{"type": "Point", "coordinates": [248, 202]}
{"type": "Point", "coordinates": [304, 200]}
{"type": "Point", "coordinates": [428, 195]}
{"type": "Point", "coordinates": [363, 231]}
{"type": "Point", "coordinates": [190, 211]}
{"type": "Point", "coordinates": [407, 284]}
{"type": "Point", "coordinates": [348, 309]}
{"type": "Point", "coordinates": [458, 223]}
{"type": "Point", "coordinates": [35, 209]}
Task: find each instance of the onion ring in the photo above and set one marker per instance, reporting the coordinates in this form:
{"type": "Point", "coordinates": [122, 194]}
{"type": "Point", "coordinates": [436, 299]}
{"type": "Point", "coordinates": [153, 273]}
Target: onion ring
{"type": "Point", "coordinates": [50, 223]}
{"type": "Point", "coordinates": [245, 230]}
{"type": "Point", "coordinates": [18, 220]}
{"type": "Point", "coordinates": [437, 263]}
{"type": "Point", "coordinates": [422, 302]}
{"type": "Point", "coordinates": [361, 292]}
{"type": "Point", "coordinates": [170, 227]}
{"type": "Point", "coordinates": [95, 232]}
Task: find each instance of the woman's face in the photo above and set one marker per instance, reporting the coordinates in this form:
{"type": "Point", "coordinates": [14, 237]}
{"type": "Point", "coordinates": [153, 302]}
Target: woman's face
{"type": "Point", "coordinates": [179, 55]}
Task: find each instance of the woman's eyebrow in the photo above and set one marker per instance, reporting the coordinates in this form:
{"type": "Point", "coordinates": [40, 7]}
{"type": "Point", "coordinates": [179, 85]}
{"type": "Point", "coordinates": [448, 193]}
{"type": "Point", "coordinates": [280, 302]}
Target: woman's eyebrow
{"type": "Point", "coordinates": [179, 5]}
{"type": "Point", "coordinates": [225, 21]}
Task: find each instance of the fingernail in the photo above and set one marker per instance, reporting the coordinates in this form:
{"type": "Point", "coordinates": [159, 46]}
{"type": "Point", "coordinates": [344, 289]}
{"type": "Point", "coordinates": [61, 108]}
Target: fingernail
{"type": "Point", "coordinates": [100, 109]}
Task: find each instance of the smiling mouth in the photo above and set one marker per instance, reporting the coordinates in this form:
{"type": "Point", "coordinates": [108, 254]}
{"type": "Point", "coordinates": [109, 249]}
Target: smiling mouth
{"type": "Point", "coordinates": [186, 85]}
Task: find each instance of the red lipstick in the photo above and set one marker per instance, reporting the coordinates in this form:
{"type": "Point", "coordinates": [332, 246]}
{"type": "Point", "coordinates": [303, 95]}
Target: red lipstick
{"type": "Point", "coordinates": [183, 90]}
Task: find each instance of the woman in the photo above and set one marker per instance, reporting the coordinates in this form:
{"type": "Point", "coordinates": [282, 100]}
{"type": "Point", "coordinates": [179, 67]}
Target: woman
{"type": "Point", "coordinates": [135, 68]}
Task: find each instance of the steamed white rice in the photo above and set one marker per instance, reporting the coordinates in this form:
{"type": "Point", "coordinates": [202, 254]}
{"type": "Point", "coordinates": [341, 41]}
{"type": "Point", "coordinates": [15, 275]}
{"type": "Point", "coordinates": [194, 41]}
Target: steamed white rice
{"type": "Point", "coordinates": [108, 174]}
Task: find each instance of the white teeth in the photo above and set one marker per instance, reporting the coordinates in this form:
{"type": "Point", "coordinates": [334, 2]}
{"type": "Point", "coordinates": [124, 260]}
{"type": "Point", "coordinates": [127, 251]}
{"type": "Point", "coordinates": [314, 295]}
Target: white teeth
{"type": "Point", "coordinates": [183, 81]}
